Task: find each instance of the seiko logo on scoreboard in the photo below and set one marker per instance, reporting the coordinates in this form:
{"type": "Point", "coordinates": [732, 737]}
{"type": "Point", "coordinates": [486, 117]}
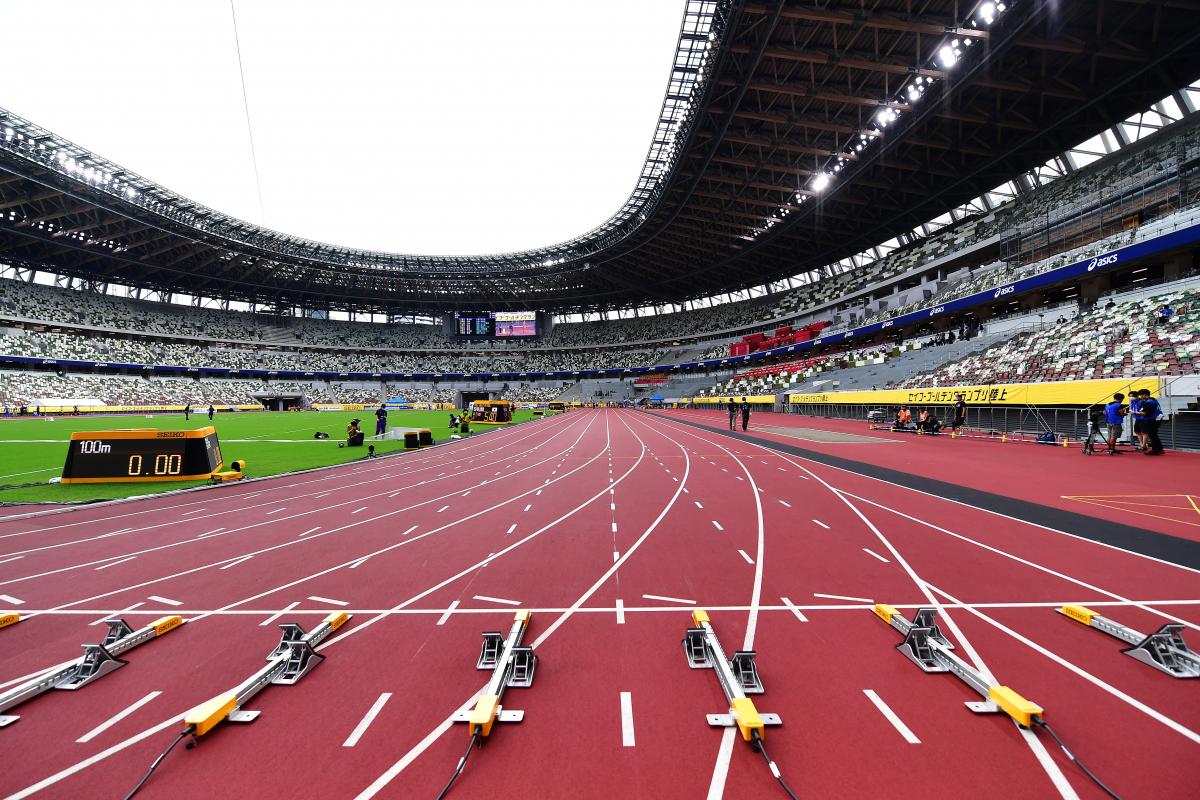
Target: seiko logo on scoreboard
{"type": "Point", "coordinates": [1003, 290]}
{"type": "Point", "coordinates": [1103, 261]}
{"type": "Point", "coordinates": [90, 446]}
{"type": "Point", "coordinates": [170, 435]}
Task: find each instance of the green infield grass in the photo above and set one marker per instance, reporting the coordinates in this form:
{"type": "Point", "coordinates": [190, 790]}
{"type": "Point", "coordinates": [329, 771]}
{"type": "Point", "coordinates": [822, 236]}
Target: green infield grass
{"type": "Point", "coordinates": [32, 450]}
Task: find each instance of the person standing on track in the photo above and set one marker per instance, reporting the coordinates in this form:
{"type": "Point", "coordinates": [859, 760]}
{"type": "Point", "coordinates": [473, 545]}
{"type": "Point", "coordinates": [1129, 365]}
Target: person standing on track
{"type": "Point", "coordinates": [745, 414]}
{"type": "Point", "coordinates": [960, 413]}
{"type": "Point", "coordinates": [1151, 415]}
{"type": "Point", "coordinates": [381, 420]}
{"type": "Point", "coordinates": [1114, 415]}
{"type": "Point", "coordinates": [733, 412]}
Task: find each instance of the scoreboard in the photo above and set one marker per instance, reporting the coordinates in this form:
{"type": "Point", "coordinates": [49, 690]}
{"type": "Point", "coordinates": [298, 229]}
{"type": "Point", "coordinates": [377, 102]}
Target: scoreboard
{"type": "Point", "coordinates": [144, 454]}
{"type": "Point", "coordinates": [494, 324]}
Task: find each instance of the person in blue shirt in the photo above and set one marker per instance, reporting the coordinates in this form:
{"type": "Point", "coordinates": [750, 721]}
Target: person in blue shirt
{"type": "Point", "coordinates": [1114, 416]}
{"type": "Point", "coordinates": [1151, 416]}
{"type": "Point", "coordinates": [1139, 430]}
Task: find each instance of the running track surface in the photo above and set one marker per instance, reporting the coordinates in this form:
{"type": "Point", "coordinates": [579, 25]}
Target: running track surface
{"type": "Point", "coordinates": [611, 526]}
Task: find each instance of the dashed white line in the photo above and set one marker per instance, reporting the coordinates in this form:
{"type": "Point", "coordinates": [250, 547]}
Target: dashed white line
{"type": "Point", "coordinates": [822, 524]}
{"type": "Point", "coordinates": [511, 528]}
{"type": "Point", "coordinates": [627, 737]}
{"type": "Point", "coordinates": [410, 530]}
{"type": "Point", "coordinates": [331, 602]}
{"type": "Point", "coordinates": [529, 506]}
{"type": "Point", "coordinates": [669, 599]}
{"type": "Point", "coordinates": [213, 532]}
{"type": "Point", "coordinates": [277, 615]}
{"type": "Point", "coordinates": [614, 527]}
{"type": "Point", "coordinates": [14, 558]}
{"type": "Point", "coordinates": [366, 721]}
{"type": "Point", "coordinates": [792, 607]}
{"type": "Point", "coordinates": [698, 505]}
{"type": "Point", "coordinates": [446, 615]}
{"type": "Point", "coordinates": [276, 511]}
{"type": "Point", "coordinates": [443, 508]}
{"type": "Point", "coordinates": [184, 514]}
{"type": "Point", "coordinates": [486, 599]}
{"type": "Point", "coordinates": [717, 525]}
{"type": "Point", "coordinates": [359, 563]}
{"type": "Point", "coordinates": [359, 510]}
{"type": "Point", "coordinates": [114, 563]}
{"type": "Point", "coordinates": [785, 503]}
{"type": "Point", "coordinates": [238, 561]}
{"type": "Point", "coordinates": [612, 506]}
{"type": "Point", "coordinates": [310, 530]}
{"type": "Point", "coordinates": [620, 608]}
{"type": "Point", "coordinates": [870, 552]}
{"type": "Point", "coordinates": [616, 556]}
{"type": "Point", "coordinates": [746, 556]}
{"type": "Point", "coordinates": [115, 718]}
{"type": "Point", "coordinates": [165, 600]}
{"type": "Point", "coordinates": [844, 597]}
{"type": "Point", "coordinates": [887, 712]}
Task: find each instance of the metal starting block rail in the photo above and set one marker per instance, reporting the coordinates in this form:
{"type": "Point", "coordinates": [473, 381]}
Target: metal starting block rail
{"type": "Point", "coordinates": [512, 665]}
{"type": "Point", "coordinates": [1164, 649]}
{"type": "Point", "coordinates": [926, 647]}
{"type": "Point", "coordinates": [290, 661]}
{"type": "Point", "coordinates": [97, 661]}
{"type": "Point", "coordinates": [738, 677]}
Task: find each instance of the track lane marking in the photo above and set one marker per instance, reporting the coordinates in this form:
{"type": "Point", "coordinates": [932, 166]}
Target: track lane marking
{"type": "Point", "coordinates": [843, 597]}
{"type": "Point", "coordinates": [746, 556]}
{"type": "Point", "coordinates": [332, 602]}
{"type": "Point", "coordinates": [277, 615]}
{"type": "Point", "coordinates": [484, 598]}
{"type": "Point", "coordinates": [165, 600]}
{"type": "Point", "coordinates": [115, 614]}
{"type": "Point", "coordinates": [792, 607]}
{"type": "Point", "coordinates": [367, 719]}
{"type": "Point", "coordinates": [236, 561]}
{"type": "Point", "coordinates": [717, 525]}
{"type": "Point", "coordinates": [115, 718]}
{"type": "Point", "coordinates": [669, 599]}
{"type": "Point", "coordinates": [891, 717]}
{"type": "Point", "coordinates": [620, 609]}
{"type": "Point", "coordinates": [446, 614]}
{"type": "Point", "coordinates": [822, 524]}
{"type": "Point", "coordinates": [114, 563]}
{"type": "Point", "coordinates": [628, 739]}
{"type": "Point", "coordinates": [872, 553]}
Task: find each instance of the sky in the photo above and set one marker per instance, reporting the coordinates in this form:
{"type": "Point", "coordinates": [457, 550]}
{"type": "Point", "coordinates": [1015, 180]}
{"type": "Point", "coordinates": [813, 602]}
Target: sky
{"type": "Point", "coordinates": [457, 127]}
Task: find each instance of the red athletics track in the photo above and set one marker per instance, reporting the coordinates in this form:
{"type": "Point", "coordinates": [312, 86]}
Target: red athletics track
{"type": "Point", "coordinates": [609, 507]}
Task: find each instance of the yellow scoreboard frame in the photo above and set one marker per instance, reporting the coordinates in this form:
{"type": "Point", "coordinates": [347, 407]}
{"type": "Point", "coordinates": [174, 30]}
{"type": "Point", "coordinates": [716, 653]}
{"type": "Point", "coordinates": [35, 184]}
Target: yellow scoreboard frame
{"type": "Point", "coordinates": [142, 455]}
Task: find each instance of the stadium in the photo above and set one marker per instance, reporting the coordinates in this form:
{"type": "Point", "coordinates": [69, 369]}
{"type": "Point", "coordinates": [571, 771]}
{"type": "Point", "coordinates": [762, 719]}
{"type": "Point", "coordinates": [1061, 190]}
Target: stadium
{"type": "Point", "coordinates": [693, 503]}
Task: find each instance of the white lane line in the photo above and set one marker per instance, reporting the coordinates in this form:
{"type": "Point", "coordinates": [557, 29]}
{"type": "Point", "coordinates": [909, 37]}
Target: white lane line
{"type": "Point", "coordinates": [115, 614]}
{"type": "Point", "coordinates": [443, 508]}
{"type": "Point", "coordinates": [392, 495]}
{"type": "Point", "coordinates": [871, 552]}
{"type": "Point", "coordinates": [717, 525]}
{"type": "Point", "coordinates": [359, 563]}
{"type": "Point", "coordinates": [410, 530]}
{"type": "Point", "coordinates": [358, 510]}
{"type": "Point", "coordinates": [669, 599]}
{"type": "Point", "coordinates": [14, 558]}
{"type": "Point", "coordinates": [184, 514]}
{"type": "Point", "coordinates": [627, 737]}
{"type": "Point", "coordinates": [486, 599]}
{"type": "Point", "coordinates": [277, 615]}
{"type": "Point", "coordinates": [210, 533]}
{"type": "Point", "coordinates": [887, 712]}
{"type": "Point", "coordinates": [614, 527]}
{"type": "Point", "coordinates": [616, 556]}
{"type": "Point", "coordinates": [844, 597]}
{"type": "Point", "coordinates": [716, 787]}
{"type": "Point", "coordinates": [446, 614]}
{"type": "Point", "coordinates": [529, 506]}
{"type": "Point", "coordinates": [317, 599]}
{"type": "Point", "coordinates": [697, 502]}
{"type": "Point", "coordinates": [792, 607]}
{"type": "Point", "coordinates": [276, 511]}
{"type": "Point", "coordinates": [366, 721]}
{"type": "Point", "coordinates": [236, 562]}
{"type": "Point", "coordinates": [612, 506]}
{"type": "Point", "coordinates": [467, 492]}
{"type": "Point", "coordinates": [785, 503]}
{"type": "Point", "coordinates": [115, 718]}
{"type": "Point", "coordinates": [746, 556]}
{"type": "Point", "coordinates": [822, 524]}
{"type": "Point", "coordinates": [165, 600]}
{"type": "Point", "coordinates": [311, 530]}
{"type": "Point", "coordinates": [620, 608]}
{"type": "Point", "coordinates": [114, 563]}
{"type": "Point", "coordinates": [538, 493]}
{"type": "Point", "coordinates": [511, 528]}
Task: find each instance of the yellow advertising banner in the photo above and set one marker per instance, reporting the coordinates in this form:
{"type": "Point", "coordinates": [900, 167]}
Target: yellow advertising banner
{"type": "Point", "coordinates": [1064, 393]}
{"type": "Point", "coordinates": [749, 398]}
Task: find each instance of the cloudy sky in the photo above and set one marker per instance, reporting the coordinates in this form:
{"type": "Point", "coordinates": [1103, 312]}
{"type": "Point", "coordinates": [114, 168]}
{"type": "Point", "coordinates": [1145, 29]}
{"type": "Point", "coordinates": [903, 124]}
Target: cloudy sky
{"type": "Point", "coordinates": [453, 127]}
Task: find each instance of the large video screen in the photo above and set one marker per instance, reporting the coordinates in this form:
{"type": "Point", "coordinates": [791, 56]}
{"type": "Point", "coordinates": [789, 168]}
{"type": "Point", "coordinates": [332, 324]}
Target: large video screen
{"type": "Point", "coordinates": [495, 324]}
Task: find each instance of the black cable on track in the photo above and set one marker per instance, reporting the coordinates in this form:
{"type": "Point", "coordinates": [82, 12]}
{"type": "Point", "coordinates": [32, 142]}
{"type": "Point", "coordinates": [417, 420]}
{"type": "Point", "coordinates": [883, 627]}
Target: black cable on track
{"type": "Point", "coordinates": [182, 735]}
{"type": "Point", "coordinates": [1040, 722]}
{"type": "Point", "coordinates": [462, 762]}
{"type": "Point", "coordinates": [761, 747]}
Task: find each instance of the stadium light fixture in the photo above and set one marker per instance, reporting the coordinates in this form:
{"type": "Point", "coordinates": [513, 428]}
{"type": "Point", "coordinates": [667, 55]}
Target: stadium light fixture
{"type": "Point", "coordinates": [821, 182]}
{"type": "Point", "coordinates": [987, 13]}
{"type": "Point", "coordinates": [947, 56]}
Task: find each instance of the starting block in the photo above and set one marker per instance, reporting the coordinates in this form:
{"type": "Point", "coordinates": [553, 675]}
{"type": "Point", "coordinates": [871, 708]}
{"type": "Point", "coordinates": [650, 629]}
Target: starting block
{"type": "Point", "coordinates": [97, 661]}
{"type": "Point", "coordinates": [512, 664]}
{"type": "Point", "coordinates": [9, 619]}
{"type": "Point", "coordinates": [738, 677]}
{"type": "Point", "coordinates": [926, 647]}
{"type": "Point", "coordinates": [290, 661]}
{"type": "Point", "coordinates": [1164, 649]}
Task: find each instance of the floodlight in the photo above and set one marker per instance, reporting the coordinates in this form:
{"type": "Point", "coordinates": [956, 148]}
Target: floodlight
{"type": "Point", "coordinates": [820, 182]}
{"type": "Point", "coordinates": [947, 56]}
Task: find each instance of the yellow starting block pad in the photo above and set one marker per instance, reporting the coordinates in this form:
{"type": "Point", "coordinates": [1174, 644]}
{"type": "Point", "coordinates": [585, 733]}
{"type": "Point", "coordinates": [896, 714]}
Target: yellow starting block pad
{"type": "Point", "coordinates": [9, 619]}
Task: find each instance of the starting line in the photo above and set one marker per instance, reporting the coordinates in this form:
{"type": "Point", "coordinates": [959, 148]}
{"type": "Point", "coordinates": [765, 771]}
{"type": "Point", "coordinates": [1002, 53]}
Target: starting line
{"type": "Point", "coordinates": [1164, 649]}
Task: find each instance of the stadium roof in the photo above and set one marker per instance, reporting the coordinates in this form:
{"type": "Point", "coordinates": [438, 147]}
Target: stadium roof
{"type": "Point", "coordinates": [791, 135]}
